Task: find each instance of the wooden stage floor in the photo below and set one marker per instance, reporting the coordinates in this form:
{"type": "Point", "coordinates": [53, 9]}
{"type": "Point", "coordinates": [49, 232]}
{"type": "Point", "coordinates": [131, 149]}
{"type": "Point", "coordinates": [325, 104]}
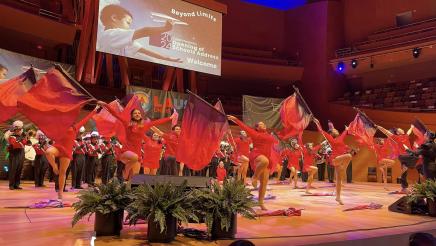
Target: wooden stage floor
{"type": "Point", "coordinates": [322, 222]}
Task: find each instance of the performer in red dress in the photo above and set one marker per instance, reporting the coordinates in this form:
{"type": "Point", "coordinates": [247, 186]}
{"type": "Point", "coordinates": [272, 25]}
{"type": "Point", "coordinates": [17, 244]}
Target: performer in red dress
{"type": "Point", "coordinates": [136, 128]}
{"type": "Point", "coordinates": [293, 155]}
{"type": "Point", "coordinates": [241, 154]}
{"type": "Point", "coordinates": [152, 154]}
{"type": "Point", "coordinates": [401, 142]}
{"type": "Point", "coordinates": [260, 155]}
{"type": "Point", "coordinates": [171, 141]}
{"type": "Point", "coordinates": [384, 152]}
{"type": "Point", "coordinates": [340, 155]}
{"type": "Point", "coordinates": [221, 172]}
{"type": "Point", "coordinates": [63, 150]}
{"type": "Point", "coordinates": [310, 154]}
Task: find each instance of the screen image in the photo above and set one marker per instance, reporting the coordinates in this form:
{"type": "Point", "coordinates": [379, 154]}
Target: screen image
{"type": "Point", "coordinates": [168, 32]}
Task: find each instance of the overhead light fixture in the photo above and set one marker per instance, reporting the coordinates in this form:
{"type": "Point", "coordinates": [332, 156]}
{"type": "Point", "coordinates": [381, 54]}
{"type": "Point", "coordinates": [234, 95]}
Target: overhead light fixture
{"type": "Point", "coordinates": [416, 52]}
{"type": "Point", "coordinates": [354, 63]}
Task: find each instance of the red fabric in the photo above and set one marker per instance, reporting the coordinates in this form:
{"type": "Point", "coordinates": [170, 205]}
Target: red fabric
{"type": "Point", "coordinates": [203, 127]}
{"type": "Point", "coordinates": [361, 129]}
{"type": "Point", "coordinates": [401, 141]}
{"type": "Point", "coordinates": [243, 146]}
{"type": "Point", "coordinates": [152, 153]}
{"type": "Point", "coordinates": [221, 173]}
{"type": "Point", "coordinates": [109, 126]}
{"type": "Point", "coordinates": [383, 151]}
{"type": "Point", "coordinates": [262, 143]}
{"type": "Point", "coordinates": [11, 90]}
{"type": "Point", "coordinates": [65, 144]}
{"type": "Point", "coordinates": [293, 157]}
{"type": "Point", "coordinates": [53, 104]}
{"type": "Point", "coordinates": [294, 116]}
{"type": "Point", "coordinates": [85, 60]}
{"type": "Point", "coordinates": [309, 157]}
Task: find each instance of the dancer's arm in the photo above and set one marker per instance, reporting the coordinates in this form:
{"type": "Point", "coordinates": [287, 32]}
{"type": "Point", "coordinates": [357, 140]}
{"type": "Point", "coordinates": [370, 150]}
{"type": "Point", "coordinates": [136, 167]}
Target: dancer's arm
{"type": "Point", "coordinates": [116, 115]}
{"type": "Point", "coordinates": [250, 131]}
{"type": "Point", "coordinates": [329, 138]}
{"type": "Point", "coordinates": [410, 130]}
{"type": "Point", "coordinates": [420, 137]}
{"type": "Point", "coordinates": [157, 131]}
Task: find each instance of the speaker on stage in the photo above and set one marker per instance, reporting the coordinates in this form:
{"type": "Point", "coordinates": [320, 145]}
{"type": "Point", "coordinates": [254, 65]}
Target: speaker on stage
{"type": "Point", "coordinates": [192, 181]}
{"type": "Point", "coordinates": [402, 206]}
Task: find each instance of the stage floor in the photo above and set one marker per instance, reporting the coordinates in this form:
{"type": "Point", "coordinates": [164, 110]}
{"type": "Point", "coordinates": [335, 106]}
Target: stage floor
{"type": "Point", "coordinates": [322, 222]}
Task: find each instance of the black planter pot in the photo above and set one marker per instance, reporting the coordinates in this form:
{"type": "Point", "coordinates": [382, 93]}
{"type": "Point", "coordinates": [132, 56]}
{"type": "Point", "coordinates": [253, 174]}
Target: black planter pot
{"type": "Point", "coordinates": [155, 236]}
{"type": "Point", "coordinates": [109, 224]}
{"type": "Point", "coordinates": [431, 207]}
{"type": "Point", "coordinates": [218, 233]}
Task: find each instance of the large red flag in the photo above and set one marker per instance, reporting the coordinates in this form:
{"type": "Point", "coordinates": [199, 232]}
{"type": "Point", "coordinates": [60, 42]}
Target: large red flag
{"type": "Point", "coordinates": [11, 90]}
{"type": "Point", "coordinates": [203, 127]}
{"type": "Point", "coordinates": [295, 116]}
{"type": "Point", "coordinates": [107, 125]}
{"type": "Point", "coordinates": [54, 103]}
{"type": "Point", "coordinates": [363, 129]}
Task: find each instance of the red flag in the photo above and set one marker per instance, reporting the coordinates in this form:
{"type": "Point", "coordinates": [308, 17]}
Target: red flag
{"type": "Point", "coordinates": [109, 126]}
{"type": "Point", "coordinates": [363, 129]}
{"type": "Point", "coordinates": [11, 90]}
{"type": "Point", "coordinates": [219, 106]}
{"type": "Point", "coordinates": [203, 127]}
{"type": "Point", "coordinates": [54, 103]}
{"type": "Point", "coordinates": [295, 116]}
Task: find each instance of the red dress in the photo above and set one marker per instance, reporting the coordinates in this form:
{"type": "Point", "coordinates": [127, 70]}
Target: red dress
{"type": "Point", "coordinates": [66, 144]}
{"type": "Point", "coordinates": [309, 157]}
{"type": "Point", "coordinates": [243, 147]}
{"type": "Point", "coordinates": [337, 145]}
{"type": "Point", "coordinates": [382, 151]}
{"type": "Point", "coordinates": [293, 158]}
{"type": "Point", "coordinates": [152, 153]}
{"type": "Point", "coordinates": [221, 173]}
{"type": "Point", "coordinates": [262, 144]}
{"type": "Point", "coordinates": [135, 133]}
{"type": "Point", "coordinates": [400, 141]}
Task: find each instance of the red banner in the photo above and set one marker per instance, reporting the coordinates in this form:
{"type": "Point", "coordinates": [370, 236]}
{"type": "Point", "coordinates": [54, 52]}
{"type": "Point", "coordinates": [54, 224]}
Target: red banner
{"type": "Point", "coordinates": [203, 127]}
{"type": "Point", "coordinates": [294, 115]}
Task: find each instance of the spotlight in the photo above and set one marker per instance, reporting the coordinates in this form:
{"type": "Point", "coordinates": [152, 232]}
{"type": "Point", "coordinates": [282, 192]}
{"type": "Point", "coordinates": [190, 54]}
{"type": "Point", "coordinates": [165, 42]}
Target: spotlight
{"type": "Point", "coordinates": [354, 63]}
{"type": "Point", "coordinates": [340, 67]}
{"type": "Point", "coordinates": [416, 52]}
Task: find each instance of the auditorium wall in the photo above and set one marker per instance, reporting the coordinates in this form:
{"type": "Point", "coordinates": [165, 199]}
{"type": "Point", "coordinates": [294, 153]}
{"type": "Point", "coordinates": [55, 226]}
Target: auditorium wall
{"type": "Point", "coordinates": [362, 18]}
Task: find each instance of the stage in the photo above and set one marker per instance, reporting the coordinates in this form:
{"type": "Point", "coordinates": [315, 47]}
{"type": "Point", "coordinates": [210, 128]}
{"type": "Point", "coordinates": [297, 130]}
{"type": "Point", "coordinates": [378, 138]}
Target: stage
{"type": "Point", "coordinates": [323, 221]}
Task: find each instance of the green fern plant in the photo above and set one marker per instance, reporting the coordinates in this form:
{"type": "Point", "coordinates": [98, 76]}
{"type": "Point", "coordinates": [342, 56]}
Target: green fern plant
{"type": "Point", "coordinates": [104, 199]}
{"type": "Point", "coordinates": [160, 201]}
{"type": "Point", "coordinates": [423, 190]}
{"type": "Point", "coordinates": [222, 202]}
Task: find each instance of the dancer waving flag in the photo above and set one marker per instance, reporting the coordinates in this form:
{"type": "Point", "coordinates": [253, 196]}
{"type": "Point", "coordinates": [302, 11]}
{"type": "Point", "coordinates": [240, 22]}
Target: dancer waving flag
{"type": "Point", "coordinates": [203, 127]}
{"type": "Point", "coordinates": [11, 90]}
{"type": "Point", "coordinates": [53, 104]}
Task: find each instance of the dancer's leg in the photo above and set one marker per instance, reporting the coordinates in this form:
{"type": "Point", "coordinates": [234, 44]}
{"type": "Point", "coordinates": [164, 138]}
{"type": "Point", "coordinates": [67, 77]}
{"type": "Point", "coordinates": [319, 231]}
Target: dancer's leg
{"type": "Point", "coordinates": [312, 170]}
{"type": "Point", "coordinates": [51, 153]}
{"type": "Point", "coordinates": [293, 178]}
{"type": "Point", "coordinates": [244, 169]}
{"type": "Point", "coordinates": [181, 167]}
{"type": "Point", "coordinates": [263, 175]}
{"type": "Point", "coordinates": [132, 164]}
{"type": "Point", "coordinates": [146, 170]}
{"type": "Point", "coordinates": [340, 162]}
{"type": "Point", "coordinates": [64, 162]}
{"type": "Point", "coordinates": [153, 171]}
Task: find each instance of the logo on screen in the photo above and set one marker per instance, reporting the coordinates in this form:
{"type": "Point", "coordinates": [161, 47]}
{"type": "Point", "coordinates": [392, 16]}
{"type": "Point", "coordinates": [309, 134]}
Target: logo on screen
{"type": "Point", "coordinates": [163, 40]}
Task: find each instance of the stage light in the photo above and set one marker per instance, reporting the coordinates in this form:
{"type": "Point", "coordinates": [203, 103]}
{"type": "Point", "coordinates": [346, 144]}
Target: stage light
{"type": "Point", "coordinates": [5, 168]}
{"type": "Point", "coordinates": [340, 67]}
{"type": "Point", "coordinates": [354, 63]}
{"type": "Point", "coordinates": [416, 52]}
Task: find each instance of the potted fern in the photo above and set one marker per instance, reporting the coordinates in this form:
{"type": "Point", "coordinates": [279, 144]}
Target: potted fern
{"type": "Point", "coordinates": [108, 202]}
{"type": "Point", "coordinates": [425, 191]}
{"type": "Point", "coordinates": [162, 205]}
{"type": "Point", "coordinates": [220, 205]}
